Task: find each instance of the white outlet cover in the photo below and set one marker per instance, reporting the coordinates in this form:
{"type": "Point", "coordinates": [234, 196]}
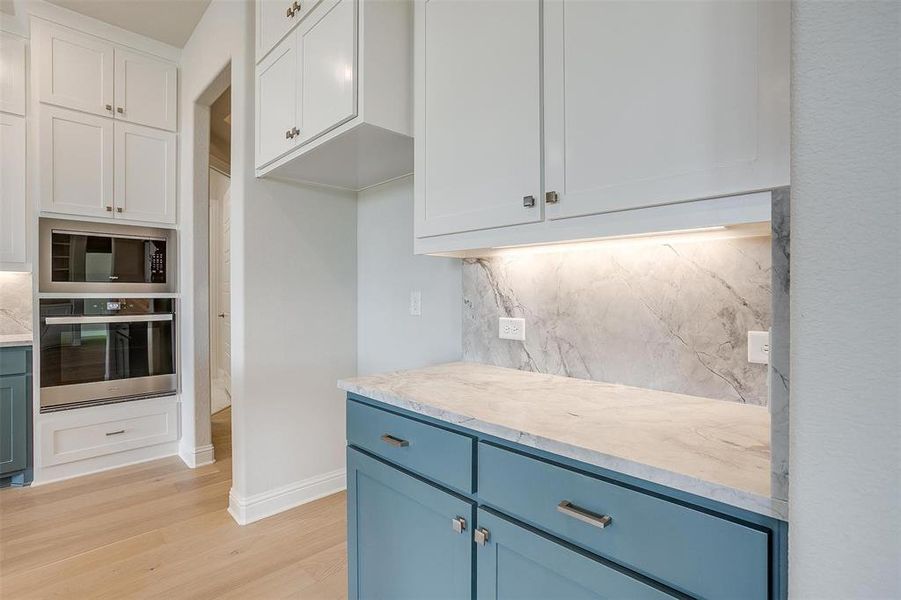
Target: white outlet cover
{"type": "Point", "coordinates": [511, 329]}
{"type": "Point", "coordinates": [759, 347]}
{"type": "Point", "coordinates": [415, 303]}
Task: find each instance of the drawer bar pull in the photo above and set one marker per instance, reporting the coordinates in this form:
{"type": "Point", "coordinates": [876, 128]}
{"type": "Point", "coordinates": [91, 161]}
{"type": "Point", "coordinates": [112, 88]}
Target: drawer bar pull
{"type": "Point", "coordinates": [393, 441]}
{"type": "Point", "coordinates": [571, 510]}
{"type": "Point", "coordinates": [115, 432]}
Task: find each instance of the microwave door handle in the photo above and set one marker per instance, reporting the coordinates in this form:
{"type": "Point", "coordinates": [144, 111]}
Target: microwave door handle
{"type": "Point", "coordinates": [106, 319]}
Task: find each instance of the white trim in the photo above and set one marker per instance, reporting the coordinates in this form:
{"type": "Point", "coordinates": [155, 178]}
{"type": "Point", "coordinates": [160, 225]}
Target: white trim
{"type": "Point", "coordinates": [98, 464]}
{"type": "Point", "coordinates": [197, 457]}
{"type": "Point", "coordinates": [265, 504]}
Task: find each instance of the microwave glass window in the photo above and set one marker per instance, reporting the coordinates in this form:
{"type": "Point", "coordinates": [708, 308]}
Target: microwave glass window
{"type": "Point", "coordinates": [96, 258]}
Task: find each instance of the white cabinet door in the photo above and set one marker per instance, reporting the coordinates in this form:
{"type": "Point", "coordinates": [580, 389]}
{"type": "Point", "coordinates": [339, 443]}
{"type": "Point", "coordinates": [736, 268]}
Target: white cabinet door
{"type": "Point", "coordinates": [145, 89]}
{"type": "Point", "coordinates": [275, 18]}
{"type": "Point", "coordinates": [76, 162]}
{"type": "Point", "coordinates": [478, 138]}
{"type": "Point", "coordinates": [649, 103]}
{"type": "Point", "coordinates": [276, 108]}
{"type": "Point", "coordinates": [13, 222]}
{"type": "Point", "coordinates": [326, 52]}
{"type": "Point", "coordinates": [75, 70]}
{"type": "Point", "coordinates": [12, 73]}
{"type": "Point", "coordinates": [145, 173]}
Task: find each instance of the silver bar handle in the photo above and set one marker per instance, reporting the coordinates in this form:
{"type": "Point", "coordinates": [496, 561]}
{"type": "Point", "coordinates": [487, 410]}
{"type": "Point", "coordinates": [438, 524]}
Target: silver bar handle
{"type": "Point", "coordinates": [480, 536]}
{"type": "Point", "coordinates": [394, 441]}
{"type": "Point", "coordinates": [586, 516]}
{"type": "Point", "coordinates": [107, 319]}
{"type": "Point", "coordinates": [115, 432]}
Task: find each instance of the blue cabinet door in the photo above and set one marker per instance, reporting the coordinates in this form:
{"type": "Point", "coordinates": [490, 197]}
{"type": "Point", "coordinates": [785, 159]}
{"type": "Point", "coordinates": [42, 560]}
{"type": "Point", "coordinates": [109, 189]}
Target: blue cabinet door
{"type": "Point", "coordinates": [402, 540]}
{"type": "Point", "coordinates": [13, 423]}
{"type": "Point", "coordinates": [515, 563]}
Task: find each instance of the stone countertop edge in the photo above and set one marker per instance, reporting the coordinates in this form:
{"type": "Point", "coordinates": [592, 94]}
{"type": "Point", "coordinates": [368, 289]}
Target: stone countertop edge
{"type": "Point", "coordinates": [16, 339]}
{"type": "Point", "coordinates": [746, 500]}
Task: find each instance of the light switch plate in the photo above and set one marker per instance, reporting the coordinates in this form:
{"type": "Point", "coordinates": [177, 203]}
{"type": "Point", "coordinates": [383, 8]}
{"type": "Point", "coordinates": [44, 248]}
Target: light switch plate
{"type": "Point", "coordinates": [759, 347]}
{"type": "Point", "coordinates": [512, 329]}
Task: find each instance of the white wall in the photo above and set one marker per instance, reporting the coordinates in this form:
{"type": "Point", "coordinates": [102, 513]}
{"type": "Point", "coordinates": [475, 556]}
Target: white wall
{"type": "Point", "coordinates": [388, 337]}
{"type": "Point", "coordinates": [293, 296]}
{"type": "Point", "coordinates": [845, 522]}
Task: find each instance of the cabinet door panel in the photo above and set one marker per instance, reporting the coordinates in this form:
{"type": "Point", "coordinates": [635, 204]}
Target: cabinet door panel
{"type": "Point", "coordinates": [276, 102]}
{"type": "Point", "coordinates": [145, 174]}
{"type": "Point", "coordinates": [12, 73]}
{"type": "Point", "coordinates": [326, 46]}
{"type": "Point", "coordinates": [75, 69]}
{"type": "Point", "coordinates": [517, 564]}
{"type": "Point", "coordinates": [76, 162]}
{"type": "Point", "coordinates": [401, 543]}
{"type": "Point", "coordinates": [13, 423]}
{"type": "Point", "coordinates": [274, 21]}
{"type": "Point", "coordinates": [145, 90]}
{"type": "Point", "coordinates": [649, 103]}
{"type": "Point", "coordinates": [478, 139]}
{"type": "Point", "coordinates": [13, 223]}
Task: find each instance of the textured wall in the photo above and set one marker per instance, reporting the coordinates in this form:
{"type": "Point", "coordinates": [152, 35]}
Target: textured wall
{"type": "Point", "coordinates": [671, 316]}
{"type": "Point", "coordinates": [15, 303]}
{"type": "Point", "coordinates": [845, 534]}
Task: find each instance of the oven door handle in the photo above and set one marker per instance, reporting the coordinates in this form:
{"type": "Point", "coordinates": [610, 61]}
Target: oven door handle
{"type": "Point", "coordinates": [107, 319]}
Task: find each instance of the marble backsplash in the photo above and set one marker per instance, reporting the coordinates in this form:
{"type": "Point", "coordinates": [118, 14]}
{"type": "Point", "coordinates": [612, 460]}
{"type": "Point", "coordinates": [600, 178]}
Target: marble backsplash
{"type": "Point", "coordinates": [668, 316]}
{"type": "Point", "coordinates": [15, 303]}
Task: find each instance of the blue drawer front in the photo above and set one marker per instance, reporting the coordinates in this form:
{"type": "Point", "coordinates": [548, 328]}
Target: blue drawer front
{"type": "Point", "coordinates": [693, 551]}
{"type": "Point", "coordinates": [516, 564]}
{"type": "Point", "coordinates": [401, 542]}
{"type": "Point", "coordinates": [14, 360]}
{"type": "Point", "coordinates": [439, 454]}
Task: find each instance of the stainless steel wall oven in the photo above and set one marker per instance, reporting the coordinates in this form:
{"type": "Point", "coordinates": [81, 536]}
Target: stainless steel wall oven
{"type": "Point", "coordinates": [102, 350]}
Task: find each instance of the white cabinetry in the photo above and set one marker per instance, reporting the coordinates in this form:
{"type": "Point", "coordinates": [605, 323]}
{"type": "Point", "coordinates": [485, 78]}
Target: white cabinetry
{"type": "Point", "coordinates": [12, 73]}
{"type": "Point", "coordinates": [145, 90]}
{"type": "Point", "coordinates": [275, 18]}
{"type": "Point", "coordinates": [333, 97]}
{"type": "Point", "coordinates": [144, 173]}
{"type": "Point", "coordinates": [478, 119]}
{"type": "Point", "coordinates": [650, 109]}
{"type": "Point", "coordinates": [13, 213]}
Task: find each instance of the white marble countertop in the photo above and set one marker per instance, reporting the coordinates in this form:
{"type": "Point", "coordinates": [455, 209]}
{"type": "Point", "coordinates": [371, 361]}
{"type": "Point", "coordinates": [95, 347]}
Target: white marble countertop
{"type": "Point", "coordinates": [711, 448]}
{"type": "Point", "coordinates": [16, 339]}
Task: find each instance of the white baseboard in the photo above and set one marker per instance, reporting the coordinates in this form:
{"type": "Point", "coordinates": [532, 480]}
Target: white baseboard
{"type": "Point", "coordinates": [259, 506]}
{"type": "Point", "coordinates": [197, 457]}
{"type": "Point", "coordinates": [98, 464]}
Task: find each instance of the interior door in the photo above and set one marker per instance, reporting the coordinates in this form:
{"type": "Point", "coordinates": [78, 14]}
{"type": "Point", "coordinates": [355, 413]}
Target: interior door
{"type": "Point", "coordinates": [402, 538]}
{"type": "Point", "coordinates": [145, 90]}
{"type": "Point", "coordinates": [12, 189]}
{"type": "Point", "coordinates": [649, 103]}
{"type": "Point", "coordinates": [145, 174]}
{"type": "Point", "coordinates": [75, 70]}
{"type": "Point", "coordinates": [478, 117]}
{"type": "Point", "coordinates": [220, 192]}
{"type": "Point", "coordinates": [76, 162]}
{"type": "Point", "coordinates": [327, 82]}
{"type": "Point", "coordinates": [276, 110]}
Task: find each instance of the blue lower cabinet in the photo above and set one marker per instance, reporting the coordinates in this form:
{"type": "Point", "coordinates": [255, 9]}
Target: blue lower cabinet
{"type": "Point", "coordinates": [13, 423]}
{"type": "Point", "coordinates": [514, 563]}
{"type": "Point", "coordinates": [407, 539]}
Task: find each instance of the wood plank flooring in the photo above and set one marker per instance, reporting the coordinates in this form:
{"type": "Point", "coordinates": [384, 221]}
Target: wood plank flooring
{"type": "Point", "coordinates": [161, 530]}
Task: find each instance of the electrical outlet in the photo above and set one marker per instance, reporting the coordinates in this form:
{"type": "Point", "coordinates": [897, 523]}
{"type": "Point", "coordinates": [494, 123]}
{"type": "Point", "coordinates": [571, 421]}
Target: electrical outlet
{"type": "Point", "coordinates": [415, 303]}
{"type": "Point", "coordinates": [759, 347]}
{"type": "Point", "coordinates": [512, 329]}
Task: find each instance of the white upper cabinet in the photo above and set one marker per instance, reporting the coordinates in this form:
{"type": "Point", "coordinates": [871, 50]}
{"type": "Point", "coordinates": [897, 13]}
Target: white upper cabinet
{"type": "Point", "coordinates": [83, 72]}
{"type": "Point", "coordinates": [275, 18]}
{"type": "Point", "coordinates": [76, 162]}
{"type": "Point", "coordinates": [650, 103]}
{"type": "Point", "coordinates": [13, 219]}
{"type": "Point", "coordinates": [145, 174]}
{"type": "Point", "coordinates": [478, 119]}
{"type": "Point", "coordinates": [12, 73]}
{"type": "Point", "coordinates": [322, 116]}
{"type": "Point", "coordinates": [74, 70]}
{"type": "Point", "coordinates": [326, 51]}
{"type": "Point", "coordinates": [145, 89]}
{"type": "Point", "coordinates": [276, 98]}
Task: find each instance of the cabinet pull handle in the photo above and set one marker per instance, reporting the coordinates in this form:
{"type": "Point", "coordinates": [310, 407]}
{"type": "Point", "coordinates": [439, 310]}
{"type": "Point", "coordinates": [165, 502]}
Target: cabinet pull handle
{"type": "Point", "coordinates": [293, 9]}
{"type": "Point", "coordinates": [118, 209]}
{"type": "Point", "coordinates": [551, 198]}
{"type": "Point", "coordinates": [109, 107]}
{"type": "Point", "coordinates": [295, 132]}
{"type": "Point", "coordinates": [393, 441]}
{"type": "Point", "coordinates": [120, 110]}
{"type": "Point", "coordinates": [586, 516]}
{"type": "Point", "coordinates": [109, 209]}
{"type": "Point", "coordinates": [480, 536]}
{"type": "Point", "coordinates": [528, 201]}
{"type": "Point", "coordinates": [108, 433]}
{"type": "Point", "coordinates": [458, 524]}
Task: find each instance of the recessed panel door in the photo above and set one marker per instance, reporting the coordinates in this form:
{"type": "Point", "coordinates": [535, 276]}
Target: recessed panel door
{"type": "Point", "coordinates": [276, 102]}
{"type": "Point", "coordinates": [145, 90]}
{"type": "Point", "coordinates": [145, 174]}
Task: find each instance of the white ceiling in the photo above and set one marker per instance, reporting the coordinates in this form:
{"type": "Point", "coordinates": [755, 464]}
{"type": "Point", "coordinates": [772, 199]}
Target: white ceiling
{"type": "Point", "coordinates": [169, 21]}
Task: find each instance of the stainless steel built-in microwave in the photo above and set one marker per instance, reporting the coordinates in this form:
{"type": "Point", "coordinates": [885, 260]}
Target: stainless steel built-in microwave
{"type": "Point", "coordinates": [105, 258]}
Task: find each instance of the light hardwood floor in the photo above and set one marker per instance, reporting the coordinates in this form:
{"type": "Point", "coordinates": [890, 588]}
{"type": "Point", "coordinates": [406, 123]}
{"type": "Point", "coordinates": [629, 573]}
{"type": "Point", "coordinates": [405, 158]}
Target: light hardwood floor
{"type": "Point", "coordinates": [161, 530]}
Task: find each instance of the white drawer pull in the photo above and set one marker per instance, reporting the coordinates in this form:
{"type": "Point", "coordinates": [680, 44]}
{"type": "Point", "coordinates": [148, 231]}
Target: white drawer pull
{"type": "Point", "coordinates": [571, 510]}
